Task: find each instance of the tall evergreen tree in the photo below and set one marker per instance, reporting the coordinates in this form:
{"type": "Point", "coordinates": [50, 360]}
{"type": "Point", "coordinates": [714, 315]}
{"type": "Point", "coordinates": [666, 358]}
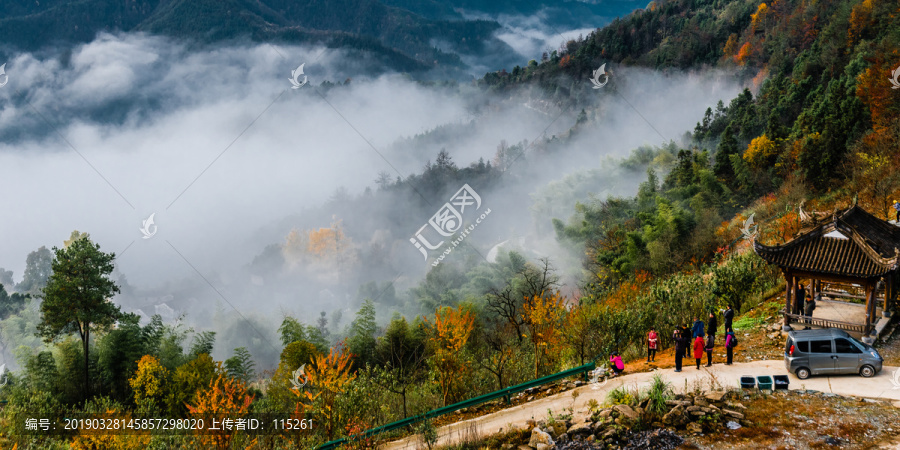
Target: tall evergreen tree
{"type": "Point", "coordinates": [77, 296]}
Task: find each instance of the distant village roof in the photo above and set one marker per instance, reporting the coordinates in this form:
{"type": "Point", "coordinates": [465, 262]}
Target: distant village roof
{"type": "Point", "coordinates": [852, 243]}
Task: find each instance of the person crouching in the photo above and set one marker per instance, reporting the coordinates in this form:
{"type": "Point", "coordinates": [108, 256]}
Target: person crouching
{"type": "Point", "coordinates": [616, 362]}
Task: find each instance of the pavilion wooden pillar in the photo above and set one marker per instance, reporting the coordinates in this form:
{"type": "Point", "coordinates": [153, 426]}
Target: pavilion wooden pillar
{"type": "Point", "coordinates": [788, 303]}
{"type": "Point", "coordinates": [888, 295]}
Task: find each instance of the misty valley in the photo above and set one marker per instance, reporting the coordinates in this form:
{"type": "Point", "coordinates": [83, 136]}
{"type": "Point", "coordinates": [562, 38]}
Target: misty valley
{"type": "Point", "coordinates": [319, 220]}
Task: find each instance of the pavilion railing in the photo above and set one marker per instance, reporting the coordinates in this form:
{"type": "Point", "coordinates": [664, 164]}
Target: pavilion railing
{"type": "Point", "coordinates": [827, 323]}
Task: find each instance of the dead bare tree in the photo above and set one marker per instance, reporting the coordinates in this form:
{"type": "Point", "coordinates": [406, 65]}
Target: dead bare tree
{"type": "Point", "coordinates": [529, 282]}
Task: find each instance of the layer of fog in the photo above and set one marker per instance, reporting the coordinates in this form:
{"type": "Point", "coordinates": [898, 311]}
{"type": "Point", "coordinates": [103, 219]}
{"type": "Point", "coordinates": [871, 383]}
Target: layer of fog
{"type": "Point", "coordinates": [219, 147]}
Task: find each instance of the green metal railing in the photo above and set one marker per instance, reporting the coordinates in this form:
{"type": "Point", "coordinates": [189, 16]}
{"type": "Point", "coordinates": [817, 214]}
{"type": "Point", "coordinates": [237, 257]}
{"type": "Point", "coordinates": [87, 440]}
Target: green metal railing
{"type": "Point", "coordinates": [506, 392]}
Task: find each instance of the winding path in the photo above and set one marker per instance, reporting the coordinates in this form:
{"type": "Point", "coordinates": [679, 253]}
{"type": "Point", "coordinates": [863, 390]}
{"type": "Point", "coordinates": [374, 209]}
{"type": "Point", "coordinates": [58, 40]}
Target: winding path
{"type": "Point", "coordinates": [885, 385]}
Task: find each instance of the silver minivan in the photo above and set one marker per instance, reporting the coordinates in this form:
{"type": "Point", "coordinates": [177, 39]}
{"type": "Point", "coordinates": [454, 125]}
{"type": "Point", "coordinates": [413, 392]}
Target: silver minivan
{"type": "Point", "coordinates": [828, 352]}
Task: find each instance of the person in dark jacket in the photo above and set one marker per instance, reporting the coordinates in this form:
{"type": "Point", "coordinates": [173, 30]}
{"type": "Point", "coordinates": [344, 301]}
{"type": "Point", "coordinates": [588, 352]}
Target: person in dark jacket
{"type": "Point", "coordinates": [698, 350]}
{"type": "Point", "coordinates": [730, 340]}
{"type": "Point", "coordinates": [681, 344]}
{"type": "Point", "coordinates": [697, 329]}
{"type": "Point", "coordinates": [710, 343]}
{"type": "Point", "coordinates": [808, 309]}
{"type": "Point", "coordinates": [728, 315]}
{"type": "Point", "coordinates": [712, 326]}
{"type": "Point", "coordinates": [800, 294]}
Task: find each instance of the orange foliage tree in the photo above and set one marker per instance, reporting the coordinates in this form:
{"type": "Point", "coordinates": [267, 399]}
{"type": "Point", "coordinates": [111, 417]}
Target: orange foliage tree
{"type": "Point", "coordinates": [874, 89]}
{"type": "Point", "coordinates": [762, 12]}
{"type": "Point", "coordinates": [744, 53]}
{"type": "Point", "coordinates": [544, 315]}
{"type": "Point", "coordinates": [224, 398]}
{"type": "Point", "coordinates": [327, 377]}
{"type": "Point", "coordinates": [451, 331]}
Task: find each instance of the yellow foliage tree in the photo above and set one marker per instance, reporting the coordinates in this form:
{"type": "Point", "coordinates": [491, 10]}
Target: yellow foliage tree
{"type": "Point", "coordinates": [149, 380]}
{"type": "Point", "coordinates": [544, 316]}
{"type": "Point", "coordinates": [761, 152]}
{"type": "Point", "coordinates": [731, 46]}
{"type": "Point", "coordinates": [451, 331]}
{"type": "Point", "coordinates": [582, 330]}
{"type": "Point", "coordinates": [103, 439]}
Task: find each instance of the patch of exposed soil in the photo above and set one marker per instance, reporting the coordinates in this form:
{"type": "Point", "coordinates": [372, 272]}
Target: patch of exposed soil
{"type": "Point", "coordinates": [807, 420]}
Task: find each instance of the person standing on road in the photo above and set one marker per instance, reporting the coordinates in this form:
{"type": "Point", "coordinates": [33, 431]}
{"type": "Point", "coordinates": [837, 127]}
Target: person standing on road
{"type": "Point", "coordinates": [710, 343]}
{"type": "Point", "coordinates": [798, 299]}
{"type": "Point", "coordinates": [728, 315]}
{"type": "Point", "coordinates": [652, 342]}
{"type": "Point", "coordinates": [897, 208]}
{"type": "Point", "coordinates": [730, 341]}
{"type": "Point", "coordinates": [698, 350]}
{"type": "Point", "coordinates": [697, 329]}
{"type": "Point", "coordinates": [681, 344]}
{"type": "Point", "coordinates": [712, 326]}
{"type": "Point", "coordinates": [808, 309]}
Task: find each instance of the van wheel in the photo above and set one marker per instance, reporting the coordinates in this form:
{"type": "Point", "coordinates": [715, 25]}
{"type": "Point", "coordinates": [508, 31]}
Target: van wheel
{"type": "Point", "coordinates": [803, 373]}
{"type": "Point", "coordinates": [867, 371]}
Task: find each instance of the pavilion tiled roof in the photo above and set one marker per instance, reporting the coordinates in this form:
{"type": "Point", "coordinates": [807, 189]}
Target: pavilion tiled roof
{"type": "Point", "coordinates": [870, 247]}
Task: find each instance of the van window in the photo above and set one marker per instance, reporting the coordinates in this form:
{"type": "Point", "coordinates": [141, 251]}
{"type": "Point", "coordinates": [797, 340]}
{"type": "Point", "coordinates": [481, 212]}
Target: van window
{"type": "Point", "coordinates": [820, 346]}
{"type": "Point", "coordinates": [803, 346]}
{"type": "Point", "coordinates": [788, 344]}
{"type": "Point", "coordinates": [842, 345]}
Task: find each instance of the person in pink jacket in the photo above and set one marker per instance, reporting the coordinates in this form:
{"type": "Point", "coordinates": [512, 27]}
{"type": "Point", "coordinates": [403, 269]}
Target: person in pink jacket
{"type": "Point", "coordinates": [616, 362]}
{"type": "Point", "coordinates": [652, 343]}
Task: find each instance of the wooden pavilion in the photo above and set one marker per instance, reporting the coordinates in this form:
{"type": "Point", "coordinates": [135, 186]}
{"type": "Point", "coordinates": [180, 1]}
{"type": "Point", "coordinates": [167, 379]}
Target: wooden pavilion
{"type": "Point", "coordinates": [849, 255]}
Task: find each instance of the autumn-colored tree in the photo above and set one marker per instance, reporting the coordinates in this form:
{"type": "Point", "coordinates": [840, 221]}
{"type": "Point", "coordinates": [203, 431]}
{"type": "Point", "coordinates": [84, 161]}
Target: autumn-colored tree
{"type": "Point", "coordinates": [731, 46]}
{"type": "Point", "coordinates": [327, 377]}
{"type": "Point", "coordinates": [761, 152]}
{"type": "Point", "coordinates": [582, 331]}
{"type": "Point", "coordinates": [187, 380]}
{"type": "Point", "coordinates": [860, 20]}
{"type": "Point", "coordinates": [149, 381]}
{"type": "Point", "coordinates": [88, 439]}
{"type": "Point", "coordinates": [295, 246]}
{"type": "Point", "coordinates": [224, 398]}
{"type": "Point", "coordinates": [873, 88]}
{"type": "Point", "coordinates": [279, 390]}
{"type": "Point", "coordinates": [451, 330]}
{"type": "Point", "coordinates": [743, 54]}
{"type": "Point", "coordinates": [545, 316]}
{"type": "Point", "coordinates": [759, 17]}
{"type": "Point", "coordinates": [780, 229]}
{"type": "Point", "coordinates": [873, 170]}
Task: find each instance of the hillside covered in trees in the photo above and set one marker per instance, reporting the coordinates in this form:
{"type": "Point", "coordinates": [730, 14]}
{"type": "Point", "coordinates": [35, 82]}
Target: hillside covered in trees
{"type": "Point", "coordinates": [818, 124]}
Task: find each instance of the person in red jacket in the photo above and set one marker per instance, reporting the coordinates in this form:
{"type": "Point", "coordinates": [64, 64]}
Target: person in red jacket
{"type": "Point", "coordinates": [699, 346]}
{"type": "Point", "coordinates": [652, 342]}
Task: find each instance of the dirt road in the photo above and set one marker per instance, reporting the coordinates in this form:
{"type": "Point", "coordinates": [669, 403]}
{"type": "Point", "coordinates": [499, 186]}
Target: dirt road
{"type": "Point", "coordinates": [884, 385]}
